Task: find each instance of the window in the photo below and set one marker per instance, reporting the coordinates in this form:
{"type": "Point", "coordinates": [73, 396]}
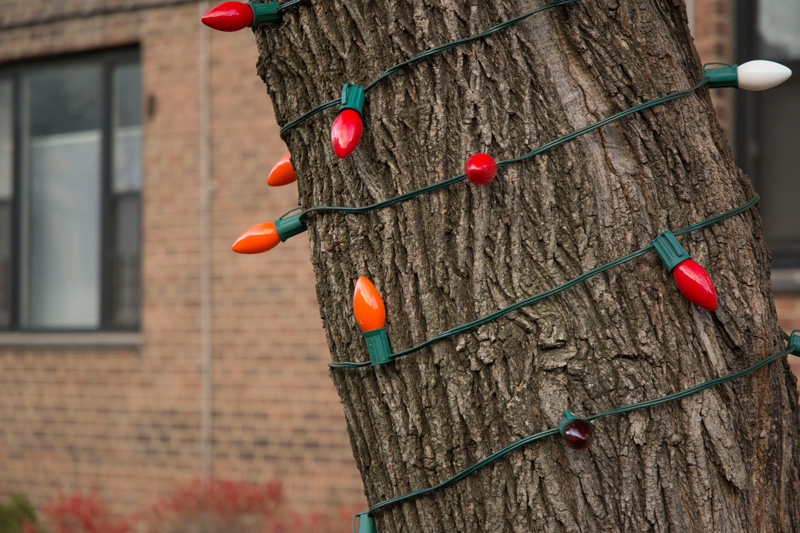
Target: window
{"type": "Point", "coordinates": [767, 127]}
{"type": "Point", "coordinates": [70, 182]}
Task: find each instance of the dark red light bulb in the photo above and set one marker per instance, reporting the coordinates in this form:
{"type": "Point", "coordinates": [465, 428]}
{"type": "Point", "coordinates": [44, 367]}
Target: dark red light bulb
{"type": "Point", "coordinates": [577, 433]}
{"type": "Point", "coordinates": [229, 16]}
{"type": "Point", "coordinates": [694, 282]}
{"type": "Point", "coordinates": [346, 132]}
{"type": "Point", "coordinates": [480, 169]}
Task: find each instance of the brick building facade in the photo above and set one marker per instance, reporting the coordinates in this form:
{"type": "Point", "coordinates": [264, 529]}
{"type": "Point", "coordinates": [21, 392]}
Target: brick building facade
{"type": "Point", "coordinates": [123, 411]}
{"type": "Point", "coordinates": [225, 373]}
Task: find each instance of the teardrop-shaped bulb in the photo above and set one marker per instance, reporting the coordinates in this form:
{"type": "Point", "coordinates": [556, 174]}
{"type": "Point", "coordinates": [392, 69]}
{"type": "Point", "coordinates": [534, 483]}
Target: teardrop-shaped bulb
{"type": "Point", "coordinates": [282, 173]}
{"type": "Point", "coordinates": [694, 282]}
{"type": "Point", "coordinates": [368, 305]}
{"type": "Point", "coordinates": [257, 239]}
{"type": "Point", "coordinates": [346, 132]}
{"type": "Point", "coordinates": [229, 16]}
{"type": "Point", "coordinates": [759, 75]}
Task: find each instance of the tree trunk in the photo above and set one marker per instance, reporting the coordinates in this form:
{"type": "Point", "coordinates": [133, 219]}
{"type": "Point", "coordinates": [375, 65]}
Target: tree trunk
{"type": "Point", "coordinates": [722, 460]}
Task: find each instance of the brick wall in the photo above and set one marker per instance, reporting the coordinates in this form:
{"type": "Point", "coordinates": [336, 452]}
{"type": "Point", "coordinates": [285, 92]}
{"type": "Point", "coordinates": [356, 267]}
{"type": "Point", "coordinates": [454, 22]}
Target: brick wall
{"type": "Point", "coordinates": [127, 421]}
{"type": "Point", "coordinates": [714, 38]}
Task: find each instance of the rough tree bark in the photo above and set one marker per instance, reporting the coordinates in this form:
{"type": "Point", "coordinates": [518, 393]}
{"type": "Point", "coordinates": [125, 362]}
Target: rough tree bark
{"type": "Point", "coordinates": [723, 460]}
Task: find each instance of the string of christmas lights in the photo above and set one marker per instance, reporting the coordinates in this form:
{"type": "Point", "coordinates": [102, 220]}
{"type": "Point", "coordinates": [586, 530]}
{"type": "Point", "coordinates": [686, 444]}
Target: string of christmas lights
{"type": "Point", "coordinates": [265, 236]}
{"type": "Point", "coordinates": [371, 314]}
{"type": "Point", "coordinates": [480, 169]}
{"type": "Point", "coordinates": [583, 437]}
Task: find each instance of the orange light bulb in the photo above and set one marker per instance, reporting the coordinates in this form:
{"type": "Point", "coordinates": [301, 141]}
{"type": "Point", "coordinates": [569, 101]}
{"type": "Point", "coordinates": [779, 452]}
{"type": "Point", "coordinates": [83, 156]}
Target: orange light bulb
{"type": "Point", "coordinates": [282, 173]}
{"type": "Point", "coordinates": [368, 306]}
{"type": "Point", "coordinates": [257, 239]}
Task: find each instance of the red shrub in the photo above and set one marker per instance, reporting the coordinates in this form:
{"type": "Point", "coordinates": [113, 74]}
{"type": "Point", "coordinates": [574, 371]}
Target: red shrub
{"type": "Point", "coordinates": [84, 514]}
{"type": "Point", "coordinates": [214, 506]}
{"type": "Point", "coordinates": [219, 506]}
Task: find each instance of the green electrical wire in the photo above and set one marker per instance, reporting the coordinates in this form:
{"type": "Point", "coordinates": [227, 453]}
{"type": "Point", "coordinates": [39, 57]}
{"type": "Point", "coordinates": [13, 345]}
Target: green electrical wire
{"type": "Point", "coordinates": [794, 348]}
{"type": "Point", "coordinates": [500, 164]}
{"type": "Point", "coordinates": [288, 4]}
{"type": "Point", "coordinates": [546, 294]}
{"type": "Point", "coordinates": [427, 53]}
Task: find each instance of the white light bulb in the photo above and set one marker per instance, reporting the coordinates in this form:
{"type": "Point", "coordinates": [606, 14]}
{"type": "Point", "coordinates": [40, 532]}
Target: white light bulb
{"type": "Point", "coordinates": [759, 75]}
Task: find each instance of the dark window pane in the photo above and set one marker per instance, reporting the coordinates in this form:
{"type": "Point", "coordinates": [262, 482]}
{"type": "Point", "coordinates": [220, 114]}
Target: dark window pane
{"type": "Point", "coordinates": [64, 99]}
{"type": "Point", "coordinates": [127, 97]}
{"type": "Point", "coordinates": [778, 21]}
{"type": "Point", "coordinates": [127, 155]}
{"type": "Point", "coordinates": [777, 170]}
{"type": "Point", "coordinates": [6, 192]}
{"type": "Point", "coordinates": [123, 263]}
{"type": "Point", "coordinates": [70, 224]}
{"type": "Point", "coordinates": [6, 140]}
{"type": "Point", "coordinates": [127, 140]}
{"type": "Point", "coordinates": [123, 258]}
{"type": "Point", "coordinates": [5, 264]}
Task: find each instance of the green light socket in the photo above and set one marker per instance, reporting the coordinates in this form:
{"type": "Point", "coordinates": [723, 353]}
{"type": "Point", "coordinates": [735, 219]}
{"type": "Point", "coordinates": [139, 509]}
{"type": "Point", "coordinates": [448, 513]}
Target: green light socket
{"type": "Point", "coordinates": [378, 346]}
{"type": "Point", "coordinates": [289, 227]}
{"type": "Point", "coordinates": [366, 524]}
{"type": "Point", "coordinates": [794, 342]}
{"type": "Point", "coordinates": [670, 250]}
{"type": "Point", "coordinates": [721, 77]}
{"type": "Point", "coordinates": [352, 97]}
{"type": "Point", "coordinates": [264, 13]}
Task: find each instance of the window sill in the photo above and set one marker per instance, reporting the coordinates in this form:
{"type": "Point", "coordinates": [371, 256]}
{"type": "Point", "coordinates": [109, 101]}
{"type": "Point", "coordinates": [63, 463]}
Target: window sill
{"type": "Point", "coordinates": [90, 340]}
{"type": "Point", "coordinates": [786, 280]}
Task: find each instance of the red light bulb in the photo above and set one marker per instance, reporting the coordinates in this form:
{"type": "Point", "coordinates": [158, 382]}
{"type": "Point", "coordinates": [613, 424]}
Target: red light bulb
{"type": "Point", "coordinates": [257, 239]}
{"type": "Point", "coordinates": [346, 132]}
{"type": "Point", "coordinates": [694, 282]}
{"type": "Point", "coordinates": [577, 433]}
{"type": "Point", "coordinates": [282, 173]}
{"type": "Point", "coordinates": [368, 306]}
{"type": "Point", "coordinates": [229, 16]}
{"type": "Point", "coordinates": [692, 279]}
{"type": "Point", "coordinates": [480, 169]}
